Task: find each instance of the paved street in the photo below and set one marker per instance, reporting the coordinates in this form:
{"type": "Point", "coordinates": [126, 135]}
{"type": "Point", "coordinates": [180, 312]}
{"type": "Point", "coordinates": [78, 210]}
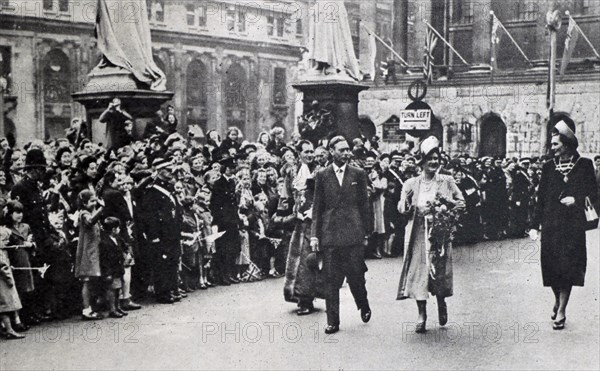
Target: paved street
{"type": "Point", "coordinates": [499, 319]}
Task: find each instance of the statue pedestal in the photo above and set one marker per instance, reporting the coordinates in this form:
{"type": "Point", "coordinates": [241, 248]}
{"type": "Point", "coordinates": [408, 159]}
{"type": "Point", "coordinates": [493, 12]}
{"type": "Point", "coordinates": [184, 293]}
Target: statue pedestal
{"type": "Point", "coordinates": [108, 83]}
{"type": "Point", "coordinates": [338, 95]}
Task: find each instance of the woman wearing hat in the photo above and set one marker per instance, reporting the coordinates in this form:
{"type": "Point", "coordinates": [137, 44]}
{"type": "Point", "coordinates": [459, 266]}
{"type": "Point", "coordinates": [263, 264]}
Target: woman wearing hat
{"type": "Point", "coordinates": [566, 181]}
{"type": "Point", "coordinates": [415, 276]}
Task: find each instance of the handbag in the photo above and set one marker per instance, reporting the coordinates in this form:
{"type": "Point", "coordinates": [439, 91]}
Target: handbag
{"type": "Point", "coordinates": [591, 215]}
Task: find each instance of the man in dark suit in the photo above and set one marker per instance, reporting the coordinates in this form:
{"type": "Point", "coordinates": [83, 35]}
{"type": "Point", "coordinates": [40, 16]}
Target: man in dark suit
{"type": "Point", "coordinates": [224, 207]}
{"type": "Point", "coordinates": [341, 226]}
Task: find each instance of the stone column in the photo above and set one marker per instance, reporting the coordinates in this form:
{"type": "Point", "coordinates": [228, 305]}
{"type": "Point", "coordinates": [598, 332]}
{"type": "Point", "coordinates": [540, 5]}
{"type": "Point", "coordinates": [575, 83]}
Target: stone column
{"type": "Point", "coordinates": [216, 92]}
{"type": "Point", "coordinates": [368, 13]}
{"type": "Point", "coordinates": [482, 28]}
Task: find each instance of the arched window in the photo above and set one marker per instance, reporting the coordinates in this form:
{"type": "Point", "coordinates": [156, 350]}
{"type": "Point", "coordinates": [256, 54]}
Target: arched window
{"type": "Point", "coordinates": [236, 85]}
{"type": "Point", "coordinates": [57, 77]}
{"type": "Point", "coordinates": [56, 90]}
{"type": "Point", "coordinates": [196, 94]}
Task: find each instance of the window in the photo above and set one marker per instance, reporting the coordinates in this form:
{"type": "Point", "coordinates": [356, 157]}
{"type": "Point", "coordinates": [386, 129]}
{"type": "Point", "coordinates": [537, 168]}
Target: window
{"type": "Point", "coordinates": [527, 10]}
{"type": "Point", "coordinates": [230, 19]}
{"type": "Point", "coordinates": [270, 25]}
{"type": "Point", "coordinates": [241, 21]}
{"type": "Point", "coordinates": [201, 11]}
{"type": "Point", "coordinates": [7, 5]}
{"type": "Point", "coordinates": [190, 14]}
{"type": "Point", "coordinates": [299, 27]}
{"type": "Point", "coordinates": [279, 86]}
{"type": "Point", "coordinates": [158, 9]}
{"type": "Point", "coordinates": [48, 4]}
{"type": "Point", "coordinates": [63, 5]}
{"type": "Point", "coordinates": [276, 25]}
{"type": "Point", "coordinates": [581, 7]}
{"type": "Point", "coordinates": [5, 67]}
{"type": "Point", "coordinates": [463, 11]}
{"type": "Point", "coordinates": [280, 26]}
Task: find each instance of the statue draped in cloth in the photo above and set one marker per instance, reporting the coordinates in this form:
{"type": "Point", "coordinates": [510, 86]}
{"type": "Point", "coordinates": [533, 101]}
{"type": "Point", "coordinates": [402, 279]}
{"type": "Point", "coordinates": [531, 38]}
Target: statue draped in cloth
{"type": "Point", "coordinates": [330, 41]}
{"type": "Point", "coordinates": [126, 42]}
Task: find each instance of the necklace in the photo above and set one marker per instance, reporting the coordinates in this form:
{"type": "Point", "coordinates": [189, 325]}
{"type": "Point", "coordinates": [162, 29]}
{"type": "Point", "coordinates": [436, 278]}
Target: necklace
{"type": "Point", "coordinates": [427, 184]}
{"type": "Point", "coordinates": [565, 168]}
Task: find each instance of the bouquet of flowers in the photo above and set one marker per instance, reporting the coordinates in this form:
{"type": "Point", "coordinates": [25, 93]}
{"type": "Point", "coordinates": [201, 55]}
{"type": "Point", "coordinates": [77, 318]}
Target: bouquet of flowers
{"type": "Point", "coordinates": [442, 218]}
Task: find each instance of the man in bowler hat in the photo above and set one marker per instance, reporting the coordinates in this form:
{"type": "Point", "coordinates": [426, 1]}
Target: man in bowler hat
{"type": "Point", "coordinates": [341, 226]}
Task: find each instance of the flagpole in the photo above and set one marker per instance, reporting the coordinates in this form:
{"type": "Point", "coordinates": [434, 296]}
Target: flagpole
{"type": "Point", "coordinates": [384, 44]}
{"type": "Point", "coordinates": [445, 41]}
{"type": "Point", "coordinates": [511, 38]}
{"type": "Point", "coordinates": [582, 34]}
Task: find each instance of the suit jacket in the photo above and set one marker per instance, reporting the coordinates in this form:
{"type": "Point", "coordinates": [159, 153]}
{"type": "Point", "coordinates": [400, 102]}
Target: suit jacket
{"type": "Point", "coordinates": [224, 205]}
{"type": "Point", "coordinates": [341, 214]}
{"type": "Point", "coordinates": [162, 217]}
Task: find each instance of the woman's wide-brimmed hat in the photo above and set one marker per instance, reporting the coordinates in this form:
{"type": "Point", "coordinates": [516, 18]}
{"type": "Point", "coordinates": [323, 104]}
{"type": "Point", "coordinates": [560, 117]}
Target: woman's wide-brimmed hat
{"type": "Point", "coordinates": [314, 261]}
{"type": "Point", "coordinates": [35, 159]}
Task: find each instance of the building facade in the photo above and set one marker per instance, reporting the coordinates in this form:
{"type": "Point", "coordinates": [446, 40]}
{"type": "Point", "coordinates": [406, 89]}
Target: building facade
{"type": "Point", "coordinates": [229, 63]}
{"type": "Point", "coordinates": [484, 110]}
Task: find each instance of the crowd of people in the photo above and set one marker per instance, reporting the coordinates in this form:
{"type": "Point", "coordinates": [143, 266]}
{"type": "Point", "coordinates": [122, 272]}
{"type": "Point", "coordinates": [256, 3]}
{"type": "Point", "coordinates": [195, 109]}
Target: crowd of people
{"type": "Point", "coordinates": [86, 228]}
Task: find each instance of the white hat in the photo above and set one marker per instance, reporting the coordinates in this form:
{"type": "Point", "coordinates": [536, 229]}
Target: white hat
{"type": "Point", "coordinates": [429, 145]}
{"type": "Point", "coordinates": [565, 130]}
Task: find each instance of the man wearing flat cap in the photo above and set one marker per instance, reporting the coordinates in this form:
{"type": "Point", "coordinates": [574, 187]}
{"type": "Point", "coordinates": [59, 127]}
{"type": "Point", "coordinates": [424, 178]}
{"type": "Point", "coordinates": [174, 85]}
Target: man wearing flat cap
{"type": "Point", "coordinates": [340, 229]}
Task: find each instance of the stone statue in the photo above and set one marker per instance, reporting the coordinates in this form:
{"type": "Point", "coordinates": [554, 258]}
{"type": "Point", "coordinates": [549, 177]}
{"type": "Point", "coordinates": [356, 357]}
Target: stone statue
{"type": "Point", "coordinates": [123, 36]}
{"type": "Point", "coordinates": [330, 45]}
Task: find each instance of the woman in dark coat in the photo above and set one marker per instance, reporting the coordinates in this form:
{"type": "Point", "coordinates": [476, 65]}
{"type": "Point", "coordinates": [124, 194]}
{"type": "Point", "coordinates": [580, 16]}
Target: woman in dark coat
{"type": "Point", "coordinates": [565, 183]}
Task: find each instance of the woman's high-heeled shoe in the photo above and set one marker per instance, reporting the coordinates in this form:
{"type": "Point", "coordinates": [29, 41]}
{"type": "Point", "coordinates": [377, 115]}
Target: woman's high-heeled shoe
{"type": "Point", "coordinates": [560, 324]}
{"type": "Point", "coordinates": [420, 327]}
{"type": "Point", "coordinates": [13, 336]}
{"type": "Point", "coordinates": [20, 327]}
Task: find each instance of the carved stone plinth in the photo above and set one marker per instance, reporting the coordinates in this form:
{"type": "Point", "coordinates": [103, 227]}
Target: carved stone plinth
{"type": "Point", "coordinates": [338, 95]}
{"type": "Point", "coordinates": [112, 82]}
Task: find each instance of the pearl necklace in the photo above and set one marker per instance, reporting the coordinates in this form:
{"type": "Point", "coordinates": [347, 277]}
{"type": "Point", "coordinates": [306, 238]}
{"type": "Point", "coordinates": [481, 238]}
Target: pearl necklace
{"type": "Point", "coordinates": [428, 184]}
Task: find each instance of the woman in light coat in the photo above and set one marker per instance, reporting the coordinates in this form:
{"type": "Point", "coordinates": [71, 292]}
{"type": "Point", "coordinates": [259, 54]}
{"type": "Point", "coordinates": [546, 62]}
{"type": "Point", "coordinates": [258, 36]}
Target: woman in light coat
{"type": "Point", "coordinates": [415, 276]}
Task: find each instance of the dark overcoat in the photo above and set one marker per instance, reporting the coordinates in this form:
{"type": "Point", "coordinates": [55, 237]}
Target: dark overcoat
{"type": "Point", "coordinates": [563, 250]}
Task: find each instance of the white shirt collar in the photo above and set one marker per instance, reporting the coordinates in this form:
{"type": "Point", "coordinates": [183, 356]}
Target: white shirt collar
{"type": "Point", "coordinates": [342, 168]}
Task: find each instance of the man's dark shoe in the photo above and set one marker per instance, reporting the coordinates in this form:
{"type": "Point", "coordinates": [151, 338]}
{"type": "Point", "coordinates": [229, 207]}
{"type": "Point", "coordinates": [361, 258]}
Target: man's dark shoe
{"type": "Point", "coordinates": [165, 300]}
{"type": "Point", "coordinates": [332, 329]}
{"type": "Point", "coordinates": [365, 314]}
{"type": "Point", "coordinates": [303, 311]}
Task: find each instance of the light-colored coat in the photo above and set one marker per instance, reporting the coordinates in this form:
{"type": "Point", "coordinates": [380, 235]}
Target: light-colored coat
{"type": "Point", "coordinates": [415, 277]}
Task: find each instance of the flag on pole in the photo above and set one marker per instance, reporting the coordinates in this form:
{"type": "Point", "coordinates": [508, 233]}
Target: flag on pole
{"type": "Point", "coordinates": [570, 41]}
{"type": "Point", "coordinates": [430, 42]}
{"type": "Point", "coordinates": [372, 55]}
{"type": "Point", "coordinates": [495, 42]}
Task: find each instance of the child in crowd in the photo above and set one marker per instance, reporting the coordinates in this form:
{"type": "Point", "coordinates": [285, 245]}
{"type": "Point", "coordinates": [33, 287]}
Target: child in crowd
{"type": "Point", "coordinates": [60, 272]}
{"type": "Point", "coordinates": [207, 247]}
{"type": "Point", "coordinates": [190, 237]}
{"type": "Point", "coordinates": [282, 225]}
{"type": "Point", "coordinates": [87, 258]}
{"type": "Point", "coordinates": [21, 257]}
{"type": "Point", "coordinates": [9, 298]}
{"type": "Point", "coordinates": [112, 264]}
